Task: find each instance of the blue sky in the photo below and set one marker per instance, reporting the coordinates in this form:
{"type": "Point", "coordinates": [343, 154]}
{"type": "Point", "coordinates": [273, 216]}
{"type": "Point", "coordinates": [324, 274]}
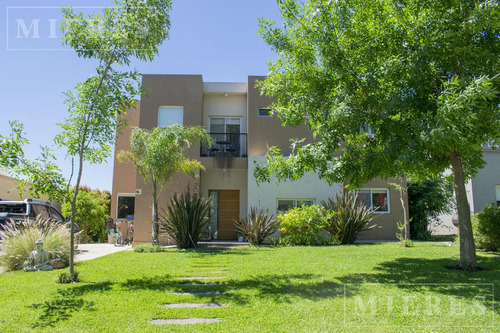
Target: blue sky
{"type": "Point", "coordinates": [215, 38]}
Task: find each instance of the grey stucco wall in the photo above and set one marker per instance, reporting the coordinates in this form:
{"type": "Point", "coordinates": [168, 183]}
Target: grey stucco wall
{"type": "Point", "coordinates": [483, 185]}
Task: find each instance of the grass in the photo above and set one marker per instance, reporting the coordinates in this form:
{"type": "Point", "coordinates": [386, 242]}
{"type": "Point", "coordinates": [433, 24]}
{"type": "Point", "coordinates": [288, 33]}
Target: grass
{"type": "Point", "coordinates": [267, 289]}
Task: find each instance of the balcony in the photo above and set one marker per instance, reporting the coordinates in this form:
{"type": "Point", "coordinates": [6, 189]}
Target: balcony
{"type": "Point", "coordinates": [226, 145]}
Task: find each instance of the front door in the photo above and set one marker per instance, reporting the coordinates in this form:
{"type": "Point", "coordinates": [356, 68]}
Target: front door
{"type": "Point", "coordinates": [228, 211]}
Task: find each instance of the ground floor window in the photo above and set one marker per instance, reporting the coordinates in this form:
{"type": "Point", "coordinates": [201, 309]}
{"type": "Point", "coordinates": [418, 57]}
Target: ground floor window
{"type": "Point", "coordinates": [497, 192]}
{"type": "Point", "coordinates": [126, 206]}
{"type": "Point", "coordinates": [285, 205]}
{"type": "Point", "coordinates": [377, 199]}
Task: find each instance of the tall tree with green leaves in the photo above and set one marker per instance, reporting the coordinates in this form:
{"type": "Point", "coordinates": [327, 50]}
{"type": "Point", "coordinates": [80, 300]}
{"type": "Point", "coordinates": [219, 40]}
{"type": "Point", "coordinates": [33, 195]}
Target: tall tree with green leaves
{"type": "Point", "coordinates": [161, 153]}
{"type": "Point", "coordinates": [130, 29]}
{"type": "Point", "coordinates": [423, 75]}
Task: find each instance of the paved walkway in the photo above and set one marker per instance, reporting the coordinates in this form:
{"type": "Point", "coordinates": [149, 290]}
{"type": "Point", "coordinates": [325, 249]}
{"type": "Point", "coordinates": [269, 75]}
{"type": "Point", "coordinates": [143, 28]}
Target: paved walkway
{"type": "Point", "coordinates": [92, 251]}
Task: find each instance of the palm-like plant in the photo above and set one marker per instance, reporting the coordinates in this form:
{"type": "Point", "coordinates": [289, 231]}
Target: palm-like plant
{"type": "Point", "coordinates": [257, 226]}
{"type": "Point", "coordinates": [347, 217]}
{"type": "Point", "coordinates": [185, 218]}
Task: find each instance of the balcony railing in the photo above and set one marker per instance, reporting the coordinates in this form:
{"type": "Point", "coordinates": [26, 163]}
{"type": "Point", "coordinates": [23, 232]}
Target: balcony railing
{"type": "Point", "coordinates": [226, 145]}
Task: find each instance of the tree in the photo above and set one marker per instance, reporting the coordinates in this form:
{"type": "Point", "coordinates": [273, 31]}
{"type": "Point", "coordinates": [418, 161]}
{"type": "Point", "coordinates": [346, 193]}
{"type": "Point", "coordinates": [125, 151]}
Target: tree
{"type": "Point", "coordinates": [130, 29]}
{"type": "Point", "coordinates": [159, 154]}
{"type": "Point", "coordinates": [427, 200]}
{"type": "Point", "coordinates": [422, 75]}
{"type": "Point", "coordinates": [92, 208]}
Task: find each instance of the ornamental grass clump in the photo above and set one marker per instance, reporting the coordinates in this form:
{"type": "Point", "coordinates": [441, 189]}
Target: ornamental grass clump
{"type": "Point", "coordinates": [185, 218]}
{"type": "Point", "coordinates": [257, 226]}
{"type": "Point", "coordinates": [348, 217]}
{"type": "Point", "coordinates": [18, 240]}
{"type": "Point", "coordinates": [303, 226]}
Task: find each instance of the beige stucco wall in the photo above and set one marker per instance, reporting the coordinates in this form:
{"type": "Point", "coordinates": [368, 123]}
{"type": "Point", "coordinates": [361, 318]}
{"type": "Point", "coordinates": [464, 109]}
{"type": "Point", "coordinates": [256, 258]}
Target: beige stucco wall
{"type": "Point", "coordinates": [219, 105]}
{"type": "Point", "coordinates": [166, 90]}
{"type": "Point", "coordinates": [7, 187]}
{"type": "Point", "coordinates": [267, 131]}
{"type": "Point", "coordinates": [124, 175]}
{"type": "Point", "coordinates": [387, 221]}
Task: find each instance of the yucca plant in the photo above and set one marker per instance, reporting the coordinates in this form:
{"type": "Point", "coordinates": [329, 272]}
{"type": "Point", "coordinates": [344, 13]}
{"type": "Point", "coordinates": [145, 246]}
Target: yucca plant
{"type": "Point", "coordinates": [185, 218]}
{"type": "Point", "coordinates": [257, 226]}
{"type": "Point", "coordinates": [18, 240]}
{"type": "Point", "coordinates": [346, 217]}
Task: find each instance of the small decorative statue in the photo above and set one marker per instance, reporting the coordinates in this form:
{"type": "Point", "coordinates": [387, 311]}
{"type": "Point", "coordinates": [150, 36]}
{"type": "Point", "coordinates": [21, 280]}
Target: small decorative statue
{"type": "Point", "coordinates": [38, 259]}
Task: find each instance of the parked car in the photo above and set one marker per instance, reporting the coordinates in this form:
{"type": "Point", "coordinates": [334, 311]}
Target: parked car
{"type": "Point", "coordinates": [30, 209]}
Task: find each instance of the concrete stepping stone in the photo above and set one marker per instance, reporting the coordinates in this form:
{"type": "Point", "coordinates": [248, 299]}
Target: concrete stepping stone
{"type": "Point", "coordinates": [201, 277]}
{"type": "Point", "coordinates": [194, 305]}
{"type": "Point", "coordinates": [202, 293]}
{"type": "Point", "coordinates": [186, 321]}
{"type": "Point", "coordinates": [201, 284]}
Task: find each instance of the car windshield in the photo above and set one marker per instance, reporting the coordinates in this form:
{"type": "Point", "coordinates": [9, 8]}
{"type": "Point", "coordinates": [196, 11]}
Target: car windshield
{"type": "Point", "coordinates": [17, 208]}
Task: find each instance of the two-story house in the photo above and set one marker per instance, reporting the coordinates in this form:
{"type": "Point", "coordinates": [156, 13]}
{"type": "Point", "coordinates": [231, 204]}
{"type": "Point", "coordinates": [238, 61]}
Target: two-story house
{"type": "Point", "coordinates": [237, 117]}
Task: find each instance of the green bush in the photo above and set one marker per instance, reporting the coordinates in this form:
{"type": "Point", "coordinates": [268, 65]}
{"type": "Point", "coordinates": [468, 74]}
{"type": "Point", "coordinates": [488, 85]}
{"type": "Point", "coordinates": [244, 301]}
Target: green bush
{"type": "Point", "coordinates": [148, 248]}
{"type": "Point", "coordinates": [303, 226]}
{"type": "Point", "coordinates": [346, 217]}
{"type": "Point", "coordinates": [185, 219]}
{"type": "Point", "coordinates": [488, 227]}
{"type": "Point", "coordinates": [18, 240]}
{"type": "Point", "coordinates": [92, 208]}
{"type": "Point", "coordinates": [65, 277]}
{"type": "Point", "coordinates": [257, 226]}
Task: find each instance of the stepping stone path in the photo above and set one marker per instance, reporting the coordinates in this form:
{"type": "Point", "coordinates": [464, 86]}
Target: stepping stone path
{"type": "Point", "coordinates": [190, 321]}
{"type": "Point", "coordinates": [186, 321]}
{"type": "Point", "coordinates": [194, 305]}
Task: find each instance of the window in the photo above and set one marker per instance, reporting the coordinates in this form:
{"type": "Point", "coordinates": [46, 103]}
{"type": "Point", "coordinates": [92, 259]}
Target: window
{"type": "Point", "coordinates": [264, 112]}
{"type": "Point", "coordinates": [285, 205]}
{"type": "Point", "coordinates": [367, 129]}
{"type": "Point", "coordinates": [377, 199]}
{"type": "Point", "coordinates": [170, 114]}
{"type": "Point", "coordinates": [55, 215]}
{"type": "Point", "coordinates": [126, 206]}
{"type": "Point", "coordinates": [225, 125]}
{"type": "Point", "coordinates": [497, 192]}
{"type": "Point", "coordinates": [41, 211]}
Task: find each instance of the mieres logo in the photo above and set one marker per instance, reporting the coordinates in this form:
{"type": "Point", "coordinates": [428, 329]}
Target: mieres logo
{"type": "Point", "coordinates": [38, 28]}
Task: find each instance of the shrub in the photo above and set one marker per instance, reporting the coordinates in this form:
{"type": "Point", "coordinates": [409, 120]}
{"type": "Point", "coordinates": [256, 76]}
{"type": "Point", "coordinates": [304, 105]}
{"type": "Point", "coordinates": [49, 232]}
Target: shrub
{"type": "Point", "coordinates": [65, 277]}
{"type": "Point", "coordinates": [488, 227]}
{"type": "Point", "coordinates": [147, 248]}
{"type": "Point", "coordinates": [18, 240]}
{"type": "Point", "coordinates": [347, 217]}
{"type": "Point", "coordinates": [257, 226]}
{"type": "Point", "coordinates": [303, 226]}
{"type": "Point", "coordinates": [185, 219]}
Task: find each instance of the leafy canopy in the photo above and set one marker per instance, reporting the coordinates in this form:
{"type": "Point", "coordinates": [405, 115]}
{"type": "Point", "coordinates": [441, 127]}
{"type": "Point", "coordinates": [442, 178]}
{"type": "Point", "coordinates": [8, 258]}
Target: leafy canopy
{"type": "Point", "coordinates": [423, 74]}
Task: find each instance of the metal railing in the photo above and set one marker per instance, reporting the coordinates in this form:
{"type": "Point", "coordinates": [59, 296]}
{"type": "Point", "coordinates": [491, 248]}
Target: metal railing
{"type": "Point", "coordinates": [226, 145]}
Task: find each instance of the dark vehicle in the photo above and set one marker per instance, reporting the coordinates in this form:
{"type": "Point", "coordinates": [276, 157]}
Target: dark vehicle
{"type": "Point", "coordinates": [30, 209]}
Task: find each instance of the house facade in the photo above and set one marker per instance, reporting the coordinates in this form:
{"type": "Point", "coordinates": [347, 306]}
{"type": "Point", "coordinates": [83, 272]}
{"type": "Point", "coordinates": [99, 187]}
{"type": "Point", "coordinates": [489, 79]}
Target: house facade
{"type": "Point", "coordinates": [237, 118]}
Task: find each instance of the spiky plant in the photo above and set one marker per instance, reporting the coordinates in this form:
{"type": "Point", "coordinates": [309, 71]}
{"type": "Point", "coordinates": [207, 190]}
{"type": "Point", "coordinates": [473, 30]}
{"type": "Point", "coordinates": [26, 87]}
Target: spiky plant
{"type": "Point", "coordinates": [257, 226]}
{"type": "Point", "coordinates": [18, 240]}
{"type": "Point", "coordinates": [348, 217]}
{"type": "Point", "coordinates": [185, 218]}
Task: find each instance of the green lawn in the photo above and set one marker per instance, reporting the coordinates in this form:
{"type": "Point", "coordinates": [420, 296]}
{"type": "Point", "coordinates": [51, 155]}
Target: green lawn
{"type": "Point", "coordinates": [369, 287]}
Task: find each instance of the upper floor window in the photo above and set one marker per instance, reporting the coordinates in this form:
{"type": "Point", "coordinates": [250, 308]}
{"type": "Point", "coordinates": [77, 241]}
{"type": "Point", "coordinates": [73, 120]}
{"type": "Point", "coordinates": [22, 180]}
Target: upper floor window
{"type": "Point", "coordinates": [367, 129]}
{"type": "Point", "coordinates": [170, 114]}
{"type": "Point", "coordinates": [229, 125]}
{"type": "Point", "coordinates": [377, 199]}
{"type": "Point", "coordinates": [264, 112]}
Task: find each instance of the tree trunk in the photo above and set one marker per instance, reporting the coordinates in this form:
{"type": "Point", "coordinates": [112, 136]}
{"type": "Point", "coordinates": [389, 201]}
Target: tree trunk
{"type": "Point", "coordinates": [467, 248]}
{"type": "Point", "coordinates": [154, 239]}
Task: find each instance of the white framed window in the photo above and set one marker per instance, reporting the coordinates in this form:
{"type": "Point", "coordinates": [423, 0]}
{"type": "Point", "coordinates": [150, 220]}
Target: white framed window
{"type": "Point", "coordinates": [225, 125]}
{"type": "Point", "coordinates": [285, 205]}
{"type": "Point", "coordinates": [170, 114]}
{"type": "Point", "coordinates": [264, 112]}
{"type": "Point", "coordinates": [375, 198]}
{"type": "Point", "coordinates": [368, 130]}
{"type": "Point", "coordinates": [497, 193]}
{"type": "Point", "coordinates": [125, 206]}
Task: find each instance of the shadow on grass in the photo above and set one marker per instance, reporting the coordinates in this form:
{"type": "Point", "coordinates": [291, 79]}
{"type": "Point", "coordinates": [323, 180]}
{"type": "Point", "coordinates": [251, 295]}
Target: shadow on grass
{"type": "Point", "coordinates": [420, 275]}
{"type": "Point", "coordinates": [65, 302]}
